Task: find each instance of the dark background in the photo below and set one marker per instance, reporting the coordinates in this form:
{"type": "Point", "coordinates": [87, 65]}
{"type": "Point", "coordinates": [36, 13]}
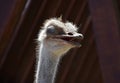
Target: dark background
{"type": "Point", "coordinates": [97, 61]}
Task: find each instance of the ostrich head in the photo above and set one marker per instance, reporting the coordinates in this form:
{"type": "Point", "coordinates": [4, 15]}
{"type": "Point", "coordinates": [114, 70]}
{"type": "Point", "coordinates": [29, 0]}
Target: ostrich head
{"type": "Point", "coordinates": [58, 37]}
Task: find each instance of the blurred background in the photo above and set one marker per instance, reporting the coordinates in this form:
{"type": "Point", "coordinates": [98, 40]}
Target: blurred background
{"type": "Point", "coordinates": [97, 61]}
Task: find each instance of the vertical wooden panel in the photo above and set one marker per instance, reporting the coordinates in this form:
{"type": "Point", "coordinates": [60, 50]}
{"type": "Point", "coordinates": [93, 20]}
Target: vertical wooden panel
{"type": "Point", "coordinates": [107, 36]}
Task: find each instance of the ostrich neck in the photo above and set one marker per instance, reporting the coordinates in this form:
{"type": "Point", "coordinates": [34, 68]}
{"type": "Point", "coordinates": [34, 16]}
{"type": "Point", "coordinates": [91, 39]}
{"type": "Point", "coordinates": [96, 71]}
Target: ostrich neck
{"type": "Point", "coordinates": [47, 65]}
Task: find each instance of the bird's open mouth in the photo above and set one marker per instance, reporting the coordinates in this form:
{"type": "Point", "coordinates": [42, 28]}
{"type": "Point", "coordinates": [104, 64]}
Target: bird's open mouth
{"type": "Point", "coordinates": [74, 40]}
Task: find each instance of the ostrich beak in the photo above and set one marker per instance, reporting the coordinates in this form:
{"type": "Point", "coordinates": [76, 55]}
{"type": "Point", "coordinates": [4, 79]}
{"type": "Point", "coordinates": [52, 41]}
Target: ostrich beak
{"type": "Point", "coordinates": [79, 36]}
{"type": "Point", "coordinates": [74, 39]}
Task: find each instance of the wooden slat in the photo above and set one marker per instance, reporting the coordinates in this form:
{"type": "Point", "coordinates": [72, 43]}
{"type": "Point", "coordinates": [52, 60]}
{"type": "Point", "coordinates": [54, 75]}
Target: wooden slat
{"type": "Point", "coordinates": [9, 28]}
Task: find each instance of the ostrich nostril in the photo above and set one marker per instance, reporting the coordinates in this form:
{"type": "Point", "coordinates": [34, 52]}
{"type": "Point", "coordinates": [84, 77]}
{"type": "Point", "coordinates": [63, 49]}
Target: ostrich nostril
{"type": "Point", "coordinates": [70, 33]}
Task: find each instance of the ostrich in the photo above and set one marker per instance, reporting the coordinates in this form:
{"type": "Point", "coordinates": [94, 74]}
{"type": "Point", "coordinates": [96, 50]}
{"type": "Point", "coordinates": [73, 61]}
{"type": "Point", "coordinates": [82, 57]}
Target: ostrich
{"type": "Point", "coordinates": [54, 40]}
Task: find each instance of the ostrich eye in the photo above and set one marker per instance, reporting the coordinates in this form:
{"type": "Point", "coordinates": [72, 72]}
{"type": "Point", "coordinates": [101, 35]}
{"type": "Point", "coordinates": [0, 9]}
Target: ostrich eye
{"type": "Point", "coordinates": [51, 30]}
{"type": "Point", "coordinates": [54, 30]}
